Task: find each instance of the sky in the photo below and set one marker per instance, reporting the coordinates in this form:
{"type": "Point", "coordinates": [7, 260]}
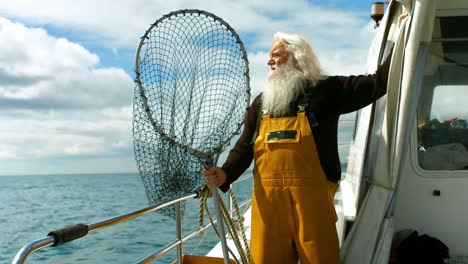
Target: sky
{"type": "Point", "coordinates": [66, 69]}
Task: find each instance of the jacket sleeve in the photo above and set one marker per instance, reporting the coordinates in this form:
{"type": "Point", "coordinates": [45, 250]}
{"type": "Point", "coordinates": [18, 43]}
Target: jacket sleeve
{"type": "Point", "coordinates": [241, 155]}
{"type": "Point", "coordinates": [356, 92]}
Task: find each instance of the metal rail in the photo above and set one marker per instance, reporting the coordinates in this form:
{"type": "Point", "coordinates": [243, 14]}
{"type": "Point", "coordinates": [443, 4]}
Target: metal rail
{"type": "Point", "coordinates": [53, 240]}
{"type": "Point", "coordinates": [174, 244]}
{"type": "Point", "coordinates": [68, 234]}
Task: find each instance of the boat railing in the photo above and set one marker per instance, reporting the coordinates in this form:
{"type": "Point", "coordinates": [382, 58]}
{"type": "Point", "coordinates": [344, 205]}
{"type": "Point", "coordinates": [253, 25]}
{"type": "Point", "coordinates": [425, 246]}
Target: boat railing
{"type": "Point", "coordinates": [70, 233]}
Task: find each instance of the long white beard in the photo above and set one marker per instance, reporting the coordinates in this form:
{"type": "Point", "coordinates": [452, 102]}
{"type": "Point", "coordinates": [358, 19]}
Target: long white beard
{"type": "Point", "coordinates": [283, 85]}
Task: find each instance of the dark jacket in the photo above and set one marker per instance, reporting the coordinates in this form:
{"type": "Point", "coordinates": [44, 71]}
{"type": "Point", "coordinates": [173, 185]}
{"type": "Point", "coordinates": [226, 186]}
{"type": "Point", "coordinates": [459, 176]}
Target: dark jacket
{"type": "Point", "coordinates": [329, 99]}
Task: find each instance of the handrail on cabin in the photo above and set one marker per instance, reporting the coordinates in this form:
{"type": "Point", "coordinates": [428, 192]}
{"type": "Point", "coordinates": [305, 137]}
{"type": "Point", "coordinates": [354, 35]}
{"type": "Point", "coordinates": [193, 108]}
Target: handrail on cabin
{"type": "Point", "coordinates": [70, 233]}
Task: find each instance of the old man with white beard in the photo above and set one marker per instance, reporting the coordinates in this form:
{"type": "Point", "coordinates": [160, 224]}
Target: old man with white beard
{"type": "Point", "coordinates": [291, 134]}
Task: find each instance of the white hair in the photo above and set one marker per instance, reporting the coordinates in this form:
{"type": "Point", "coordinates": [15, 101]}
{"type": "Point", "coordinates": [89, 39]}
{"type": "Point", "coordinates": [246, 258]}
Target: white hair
{"type": "Point", "coordinates": [304, 55]}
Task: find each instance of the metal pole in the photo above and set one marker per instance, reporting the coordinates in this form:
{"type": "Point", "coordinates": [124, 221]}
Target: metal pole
{"type": "Point", "coordinates": [230, 202]}
{"type": "Point", "coordinates": [122, 218]}
{"type": "Point", "coordinates": [179, 232]}
{"type": "Point", "coordinates": [221, 232]}
{"type": "Point", "coordinates": [29, 248]}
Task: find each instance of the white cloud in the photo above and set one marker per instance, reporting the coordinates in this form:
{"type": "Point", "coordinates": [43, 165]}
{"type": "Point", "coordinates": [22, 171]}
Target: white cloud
{"type": "Point", "coordinates": [123, 23]}
{"type": "Point", "coordinates": [58, 136]}
{"type": "Point", "coordinates": [259, 71]}
{"type": "Point", "coordinates": [329, 30]}
{"type": "Point", "coordinates": [57, 100]}
{"type": "Point", "coordinates": [33, 52]}
{"type": "Point", "coordinates": [8, 152]}
{"type": "Point", "coordinates": [44, 72]}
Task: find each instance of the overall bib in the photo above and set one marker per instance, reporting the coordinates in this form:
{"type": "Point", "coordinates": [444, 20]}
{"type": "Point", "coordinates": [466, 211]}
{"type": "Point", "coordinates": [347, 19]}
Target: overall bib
{"type": "Point", "coordinates": [293, 216]}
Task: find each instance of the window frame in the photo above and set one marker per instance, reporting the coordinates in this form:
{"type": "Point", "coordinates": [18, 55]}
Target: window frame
{"type": "Point", "coordinates": [414, 143]}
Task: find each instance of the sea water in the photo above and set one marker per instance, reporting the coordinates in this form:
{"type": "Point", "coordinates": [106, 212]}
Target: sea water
{"type": "Point", "coordinates": [32, 206]}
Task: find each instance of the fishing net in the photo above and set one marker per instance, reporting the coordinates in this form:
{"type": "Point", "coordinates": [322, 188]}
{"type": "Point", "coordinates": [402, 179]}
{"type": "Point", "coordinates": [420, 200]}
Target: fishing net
{"type": "Point", "coordinates": [191, 95]}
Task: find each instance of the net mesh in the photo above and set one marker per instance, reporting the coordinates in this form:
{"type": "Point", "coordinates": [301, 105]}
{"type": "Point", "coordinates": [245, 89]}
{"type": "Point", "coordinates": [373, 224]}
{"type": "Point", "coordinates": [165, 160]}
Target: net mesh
{"type": "Point", "coordinates": [191, 93]}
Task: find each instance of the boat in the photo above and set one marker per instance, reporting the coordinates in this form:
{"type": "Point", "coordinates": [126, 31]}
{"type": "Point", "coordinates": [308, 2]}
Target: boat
{"type": "Point", "coordinates": [408, 159]}
{"type": "Point", "coordinates": [405, 173]}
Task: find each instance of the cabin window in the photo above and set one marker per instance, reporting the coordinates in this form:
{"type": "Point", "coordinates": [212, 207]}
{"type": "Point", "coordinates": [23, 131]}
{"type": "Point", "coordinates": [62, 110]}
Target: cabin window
{"type": "Point", "coordinates": [443, 139]}
{"type": "Point", "coordinates": [443, 104]}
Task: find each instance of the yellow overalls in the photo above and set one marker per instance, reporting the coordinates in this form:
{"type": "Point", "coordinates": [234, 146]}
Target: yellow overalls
{"type": "Point", "coordinates": [292, 209]}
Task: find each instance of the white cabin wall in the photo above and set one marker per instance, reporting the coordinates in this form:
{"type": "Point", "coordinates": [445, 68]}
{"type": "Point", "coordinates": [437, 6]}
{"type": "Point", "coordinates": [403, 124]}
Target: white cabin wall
{"type": "Point", "coordinates": [446, 216]}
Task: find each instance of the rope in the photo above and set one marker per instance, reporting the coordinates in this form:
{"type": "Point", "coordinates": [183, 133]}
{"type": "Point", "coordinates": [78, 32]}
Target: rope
{"type": "Point", "coordinates": [205, 206]}
{"type": "Point", "coordinates": [240, 221]}
{"type": "Point", "coordinates": [234, 226]}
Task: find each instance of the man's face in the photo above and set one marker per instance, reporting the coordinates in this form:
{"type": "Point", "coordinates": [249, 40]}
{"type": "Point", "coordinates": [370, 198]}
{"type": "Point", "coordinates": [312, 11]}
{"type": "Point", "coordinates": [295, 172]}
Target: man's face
{"type": "Point", "coordinates": [278, 55]}
{"type": "Point", "coordinates": [284, 81]}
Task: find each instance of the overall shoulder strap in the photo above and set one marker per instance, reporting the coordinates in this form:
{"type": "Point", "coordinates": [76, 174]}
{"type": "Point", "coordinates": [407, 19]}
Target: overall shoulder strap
{"type": "Point", "coordinates": [304, 106]}
{"type": "Point", "coordinates": [260, 113]}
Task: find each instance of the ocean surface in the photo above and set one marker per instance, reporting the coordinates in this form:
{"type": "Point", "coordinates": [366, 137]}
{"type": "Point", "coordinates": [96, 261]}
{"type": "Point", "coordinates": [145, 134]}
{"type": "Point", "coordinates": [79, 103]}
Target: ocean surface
{"type": "Point", "coordinates": [32, 206]}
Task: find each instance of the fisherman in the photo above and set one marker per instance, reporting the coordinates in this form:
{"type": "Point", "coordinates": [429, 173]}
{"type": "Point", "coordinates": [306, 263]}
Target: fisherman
{"type": "Point", "coordinates": [291, 134]}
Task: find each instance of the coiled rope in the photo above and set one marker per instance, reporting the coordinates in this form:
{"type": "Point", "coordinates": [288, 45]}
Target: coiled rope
{"type": "Point", "coordinates": [235, 225]}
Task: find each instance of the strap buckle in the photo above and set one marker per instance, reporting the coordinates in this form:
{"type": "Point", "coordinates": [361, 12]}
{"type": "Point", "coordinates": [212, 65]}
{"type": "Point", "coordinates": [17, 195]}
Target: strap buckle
{"type": "Point", "coordinates": [302, 108]}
